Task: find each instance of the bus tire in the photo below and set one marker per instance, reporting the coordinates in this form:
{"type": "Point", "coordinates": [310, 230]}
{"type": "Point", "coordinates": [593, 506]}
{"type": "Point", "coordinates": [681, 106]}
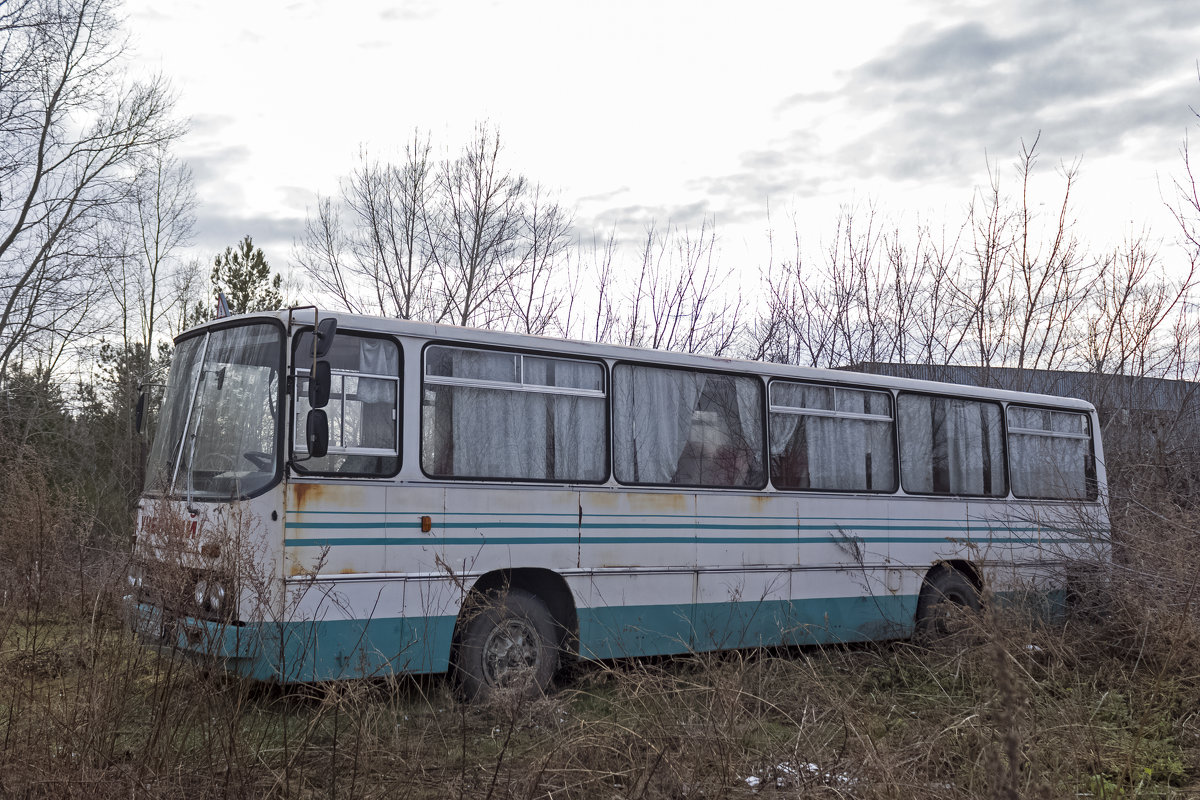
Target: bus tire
{"type": "Point", "coordinates": [508, 641]}
{"type": "Point", "coordinates": [944, 595]}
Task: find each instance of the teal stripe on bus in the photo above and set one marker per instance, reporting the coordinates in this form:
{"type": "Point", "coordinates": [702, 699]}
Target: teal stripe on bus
{"type": "Point", "coordinates": [837, 529]}
{"type": "Point", "coordinates": [379, 541]}
{"type": "Point", "coordinates": [590, 522]}
{"type": "Point", "coordinates": [574, 515]}
{"type": "Point", "coordinates": [662, 526]}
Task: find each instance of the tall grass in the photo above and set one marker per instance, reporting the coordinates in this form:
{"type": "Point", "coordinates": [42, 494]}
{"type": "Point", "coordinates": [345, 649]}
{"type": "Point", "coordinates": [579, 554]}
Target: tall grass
{"type": "Point", "coordinates": [1105, 703]}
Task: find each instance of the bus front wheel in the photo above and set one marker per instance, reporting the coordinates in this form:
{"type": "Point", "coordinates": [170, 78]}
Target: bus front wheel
{"type": "Point", "coordinates": [945, 596]}
{"type": "Point", "coordinates": [507, 642]}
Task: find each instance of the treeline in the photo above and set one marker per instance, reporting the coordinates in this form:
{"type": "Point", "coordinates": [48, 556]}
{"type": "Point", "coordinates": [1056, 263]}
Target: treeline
{"type": "Point", "coordinates": [96, 218]}
{"type": "Point", "coordinates": [96, 274]}
{"type": "Point", "coordinates": [469, 241]}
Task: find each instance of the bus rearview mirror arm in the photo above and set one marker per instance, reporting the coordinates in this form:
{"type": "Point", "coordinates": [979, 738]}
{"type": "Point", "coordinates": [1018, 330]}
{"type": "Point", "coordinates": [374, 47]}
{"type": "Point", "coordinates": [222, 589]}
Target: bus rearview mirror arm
{"type": "Point", "coordinates": [320, 380]}
{"type": "Point", "coordinates": [319, 377]}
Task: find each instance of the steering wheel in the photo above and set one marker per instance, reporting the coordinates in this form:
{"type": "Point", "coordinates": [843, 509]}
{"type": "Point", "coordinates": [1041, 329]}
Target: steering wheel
{"type": "Point", "coordinates": [260, 460]}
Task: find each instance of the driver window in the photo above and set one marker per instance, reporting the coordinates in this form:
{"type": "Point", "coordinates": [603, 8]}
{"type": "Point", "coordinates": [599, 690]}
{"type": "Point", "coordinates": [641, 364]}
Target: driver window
{"type": "Point", "coordinates": [363, 410]}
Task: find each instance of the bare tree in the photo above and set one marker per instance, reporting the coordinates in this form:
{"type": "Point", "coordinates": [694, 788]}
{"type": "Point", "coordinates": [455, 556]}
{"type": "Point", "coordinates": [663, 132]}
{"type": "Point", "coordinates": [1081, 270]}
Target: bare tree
{"type": "Point", "coordinates": [794, 328]}
{"type": "Point", "coordinates": [846, 310]}
{"type": "Point", "coordinates": [464, 240]}
{"type": "Point", "coordinates": [474, 235]}
{"type": "Point", "coordinates": [390, 245]}
{"type": "Point", "coordinates": [72, 135]}
{"type": "Point", "coordinates": [589, 309]}
{"type": "Point", "coordinates": [323, 253]}
{"type": "Point", "coordinates": [1141, 321]}
{"type": "Point", "coordinates": [157, 226]}
{"type": "Point", "coordinates": [531, 300]}
{"type": "Point", "coordinates": [1008, 287]}
{"type": "Point", "coordinates": [977, 285]}
{"type": "Point", "coordinates": [673, 298]}
{"type": "Point", "coordinates": [939, 326]}
{"type": "Point", "coordinates": [379, 263]}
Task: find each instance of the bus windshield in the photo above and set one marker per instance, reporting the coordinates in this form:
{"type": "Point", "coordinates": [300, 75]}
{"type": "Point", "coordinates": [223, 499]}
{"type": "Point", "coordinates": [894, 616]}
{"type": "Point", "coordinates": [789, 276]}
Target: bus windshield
{"type": "Point", "coordinates": [218, 435]}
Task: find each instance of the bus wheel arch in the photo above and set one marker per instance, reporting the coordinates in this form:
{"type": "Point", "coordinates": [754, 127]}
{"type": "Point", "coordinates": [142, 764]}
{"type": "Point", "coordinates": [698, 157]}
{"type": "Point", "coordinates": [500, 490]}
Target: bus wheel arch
{"type": "Point", "coordinates": [949, 587]}
{"type": "Point", "coordinates": [518, 617]}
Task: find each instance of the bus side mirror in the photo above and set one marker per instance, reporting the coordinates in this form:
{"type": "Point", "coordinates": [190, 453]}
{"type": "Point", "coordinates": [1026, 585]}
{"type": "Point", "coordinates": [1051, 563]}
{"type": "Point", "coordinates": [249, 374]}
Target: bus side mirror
{"type": "Point", "coordinates": [318, 385]}
{"type": "Point", "coordinates": [323, 338]}
{"type": "Point", "coordinates": [316, 433]}
{"type": "Point", "coordinates": [139, 412]}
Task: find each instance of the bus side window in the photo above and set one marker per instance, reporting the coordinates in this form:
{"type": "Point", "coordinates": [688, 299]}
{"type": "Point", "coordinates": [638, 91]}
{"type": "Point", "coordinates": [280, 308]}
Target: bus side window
{"type": "Point", "coordinates": [687, 428]}
{"type": "Point", "coordinates": [951, 445]}
{"type": "Point", "coordinates": [498, 414]}
{"type": "Point", "coordinates": [1050, 454]}
{"type": "Point", "coordinates": [831, 438]}
{"type": "Point", "coordinates": [363, 407]}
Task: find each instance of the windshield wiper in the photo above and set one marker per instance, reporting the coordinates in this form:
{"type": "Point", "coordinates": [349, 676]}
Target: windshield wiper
{"type": "Point", "coordinates": [191, 464]}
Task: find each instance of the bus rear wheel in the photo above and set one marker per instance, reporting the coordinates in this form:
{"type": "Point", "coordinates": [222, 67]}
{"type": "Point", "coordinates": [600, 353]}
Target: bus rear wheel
{"type": "Point", "coordinates": [507, 642]}
{"type": "Point", "coordinates": [944, 597]}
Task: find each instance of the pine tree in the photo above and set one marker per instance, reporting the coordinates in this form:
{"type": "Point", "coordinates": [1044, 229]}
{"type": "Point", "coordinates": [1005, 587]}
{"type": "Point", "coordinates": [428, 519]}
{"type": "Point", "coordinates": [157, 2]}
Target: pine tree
{"type": "Point", "coordinates": [244, 276]}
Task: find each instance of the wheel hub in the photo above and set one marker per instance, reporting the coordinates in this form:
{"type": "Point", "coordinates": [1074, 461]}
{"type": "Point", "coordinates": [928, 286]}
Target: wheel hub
{"type": "Point", "coordinates": [509, 649]}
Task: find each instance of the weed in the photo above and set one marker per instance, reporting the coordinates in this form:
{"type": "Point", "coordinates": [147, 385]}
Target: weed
{"type": "Point", "coordinates": [1101, 703]}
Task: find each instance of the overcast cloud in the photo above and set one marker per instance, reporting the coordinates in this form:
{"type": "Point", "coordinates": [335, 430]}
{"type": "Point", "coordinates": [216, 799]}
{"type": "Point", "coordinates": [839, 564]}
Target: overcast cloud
{"type": "Point", "coordinates": [1096, 80]}
{"type": "Point", "coordinates": [679, 111]}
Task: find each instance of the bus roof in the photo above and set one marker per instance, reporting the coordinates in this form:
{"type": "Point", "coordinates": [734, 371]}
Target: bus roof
{"type": "Point", "coordinates": [305, 316]}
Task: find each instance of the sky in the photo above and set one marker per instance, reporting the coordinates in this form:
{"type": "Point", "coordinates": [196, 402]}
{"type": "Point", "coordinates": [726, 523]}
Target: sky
{"type": "Point", "coordinates": [676, 112]}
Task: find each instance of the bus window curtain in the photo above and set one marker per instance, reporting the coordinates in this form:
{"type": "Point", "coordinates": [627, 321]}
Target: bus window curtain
{"type": "Point", "coordinates": [653, 413]}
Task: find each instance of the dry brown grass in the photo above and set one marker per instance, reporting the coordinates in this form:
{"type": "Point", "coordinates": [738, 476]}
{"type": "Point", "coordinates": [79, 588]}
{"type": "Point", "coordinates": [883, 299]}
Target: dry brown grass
{"type": "Point", "coordinates": [1103, 704]}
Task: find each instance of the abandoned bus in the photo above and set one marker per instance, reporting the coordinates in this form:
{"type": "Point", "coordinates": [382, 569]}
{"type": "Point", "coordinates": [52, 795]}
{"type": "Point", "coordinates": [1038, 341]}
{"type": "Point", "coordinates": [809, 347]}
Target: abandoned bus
{"type": "Point", "coordinates": [346, 496]}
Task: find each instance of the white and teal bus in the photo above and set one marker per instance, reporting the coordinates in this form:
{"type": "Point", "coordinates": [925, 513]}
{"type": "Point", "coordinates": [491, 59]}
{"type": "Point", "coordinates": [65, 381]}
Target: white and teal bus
{"type": "Point", "coordinates": [338, 496]}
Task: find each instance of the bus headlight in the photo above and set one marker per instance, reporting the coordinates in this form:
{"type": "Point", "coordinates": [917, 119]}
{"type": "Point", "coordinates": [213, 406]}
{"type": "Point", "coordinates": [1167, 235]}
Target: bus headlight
{"type": "Point", "coordinates": [210, 596]}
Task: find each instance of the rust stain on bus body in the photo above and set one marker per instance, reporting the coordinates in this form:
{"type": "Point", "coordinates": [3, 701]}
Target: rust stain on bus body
{"type": "Point", "coordinates": [655, 501]}
{"type": "Point", "coordinates": [760, 502]}
{"type": "Point", "coordinates": [326, 497]}
{"type": "Point", "coordinates": [304, 494]}
{"type": "Point", "coordinates": [631, 502]}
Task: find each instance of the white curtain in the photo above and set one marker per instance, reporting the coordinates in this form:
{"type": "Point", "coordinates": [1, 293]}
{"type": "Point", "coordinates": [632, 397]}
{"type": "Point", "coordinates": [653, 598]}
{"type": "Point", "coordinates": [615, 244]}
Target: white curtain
{"type": "Point", "coordinates": [956, 441]}
{"type": "Point", "coordinates": [580, 425]}
{"type": "Point", "coordinates": [830, 452]}
{"type": "Point", "coordinates": [836, 453]}
{"type": "Point", "coordinates": [783, 428]}
{"type": "Point", "coordinates": [653, 413]}
{"type": "Point", "coordinates": [679, 427]}
{"type": "Point", "coordinates": [377, 357]}
{"type": "Point", "coordinates": [496, 433]}
{"type": "Point", "coordinates": [964, 437]}
{"type": "Point", "coordinates": [916, 443]}
{"type": "Point", "coordinates": [1048, 466]}
{"type": "Point", "coordinates": [749, 400]}
{"type": "Point", "coordinates": [533, 435]}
